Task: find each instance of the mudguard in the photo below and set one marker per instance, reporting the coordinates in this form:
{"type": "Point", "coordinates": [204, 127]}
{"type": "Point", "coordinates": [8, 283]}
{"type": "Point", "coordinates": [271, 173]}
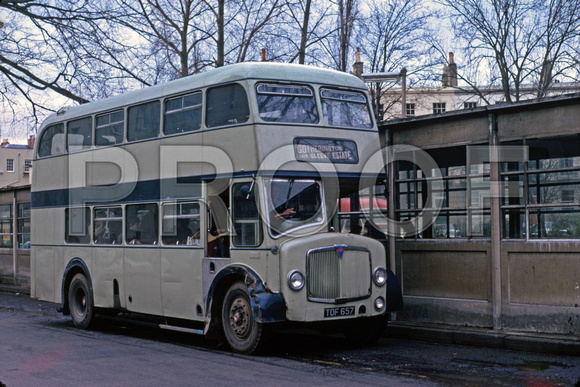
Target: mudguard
{"type": "Point", "coordinates": [267, 306]}
{"type": "Point", "coordinates": [394, 293]}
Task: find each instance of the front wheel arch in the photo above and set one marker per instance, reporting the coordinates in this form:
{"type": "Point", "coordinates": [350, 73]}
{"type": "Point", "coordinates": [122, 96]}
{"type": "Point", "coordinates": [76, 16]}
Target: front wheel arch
{"type": "Point", "coordinates": [268, 307]}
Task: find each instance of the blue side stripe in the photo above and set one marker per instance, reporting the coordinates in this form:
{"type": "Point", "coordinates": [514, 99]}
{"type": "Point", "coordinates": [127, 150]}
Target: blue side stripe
{"type": "Point", "coordinates": [151, 190]}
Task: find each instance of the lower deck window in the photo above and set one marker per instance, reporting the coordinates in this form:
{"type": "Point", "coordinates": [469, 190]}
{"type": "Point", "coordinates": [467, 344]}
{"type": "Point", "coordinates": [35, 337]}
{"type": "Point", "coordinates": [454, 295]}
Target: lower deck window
{"type": "Point", "coordinates": [108, 225]}
{"type": "Point", "coordinates": [181, 224]}
{"type": "Point", "coordinates": [141, 224]}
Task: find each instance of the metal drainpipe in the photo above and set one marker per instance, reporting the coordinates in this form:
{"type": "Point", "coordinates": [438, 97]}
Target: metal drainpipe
{"type": "Point", "coordinates": [404, 92]}
{"type": "Point", "coordinates": [14, 238]}
{"type": "Point", "coordinates": [495, 222]}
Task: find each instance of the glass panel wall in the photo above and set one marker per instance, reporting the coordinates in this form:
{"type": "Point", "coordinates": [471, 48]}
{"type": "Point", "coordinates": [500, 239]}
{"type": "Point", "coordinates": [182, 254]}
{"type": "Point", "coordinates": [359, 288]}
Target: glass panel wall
{"type": "Point", "coordinates": [542, 191]}
{"type": "Point", "coordinates": [461, 201]}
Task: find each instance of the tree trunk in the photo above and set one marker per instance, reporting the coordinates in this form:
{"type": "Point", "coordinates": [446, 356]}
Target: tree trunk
{"type": "Point", "coordinates": [304, 35]}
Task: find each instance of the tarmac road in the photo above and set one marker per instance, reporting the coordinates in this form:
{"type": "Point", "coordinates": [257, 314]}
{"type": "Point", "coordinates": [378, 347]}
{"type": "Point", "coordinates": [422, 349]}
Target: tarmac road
{"type": "Point", "coordinates": [40, 347]}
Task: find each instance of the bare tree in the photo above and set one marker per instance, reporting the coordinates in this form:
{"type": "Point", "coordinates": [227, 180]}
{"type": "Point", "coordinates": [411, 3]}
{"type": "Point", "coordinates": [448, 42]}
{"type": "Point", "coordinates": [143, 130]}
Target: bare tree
{"type": "Point", "coordinates": [172, 35]}
{"type": "Point", "coordinates": [37, 62]}
{"type": "Point", "coordinates": [560, 42]}
{"type": "Point", "coordinates": [304, 33]}
{"type": "Point", "coordinates": [337, 46]}
{"type": "Point", "coordinates": [392, 35]}
{"type": "Point", "coordinates": [33, 26]}
{"type": "Point", "coordinates": [251, 25]}
{"type": "Point", "coordinates": [308, 26]}
{"type": "Point", "coordinates": [518, 42]}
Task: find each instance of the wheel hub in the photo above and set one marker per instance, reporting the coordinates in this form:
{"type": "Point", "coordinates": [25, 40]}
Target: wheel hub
{"type": "Point", "coordinates": [239, 318]}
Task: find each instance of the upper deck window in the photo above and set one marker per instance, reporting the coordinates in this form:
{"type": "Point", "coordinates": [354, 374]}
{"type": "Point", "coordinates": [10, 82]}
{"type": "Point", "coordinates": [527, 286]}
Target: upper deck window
{"type": "Point", "coordinates": [109, 128]}
{"type": "Point", "coordinates": [143, 121]}
{"type": "Point", "coordinates": [183, 114]}
{"type": "Point", "coordinates": [345, 108]}
{"type": "Point", "coordinates": [226, 105]}
{"type": "Point", "coordinates": [52, 141]}
{"type": "Point", "coordinates": [287, 103]}
{"type": "Point", "coordinates": [79, 134]}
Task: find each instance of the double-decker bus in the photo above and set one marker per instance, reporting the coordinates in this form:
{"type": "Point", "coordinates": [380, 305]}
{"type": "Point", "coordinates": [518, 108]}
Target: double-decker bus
{"type": "Point", "coordinates": [212, 204]}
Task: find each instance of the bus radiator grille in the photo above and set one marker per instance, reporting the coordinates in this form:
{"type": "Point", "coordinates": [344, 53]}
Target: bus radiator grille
{"type": "Point", "coordinates": [336, 279]}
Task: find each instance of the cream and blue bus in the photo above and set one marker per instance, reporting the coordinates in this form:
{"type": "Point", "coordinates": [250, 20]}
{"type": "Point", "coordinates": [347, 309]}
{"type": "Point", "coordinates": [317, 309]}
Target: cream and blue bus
{"type": "Point", "coordinates": [212, 204]}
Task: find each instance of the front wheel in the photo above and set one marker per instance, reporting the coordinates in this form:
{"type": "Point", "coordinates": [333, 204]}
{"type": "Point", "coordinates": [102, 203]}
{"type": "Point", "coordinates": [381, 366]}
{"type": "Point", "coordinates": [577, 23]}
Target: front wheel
{"type": "Point", "coordinates": [80, 302]}
{"type": "Point", "coordinates": [241, 330]}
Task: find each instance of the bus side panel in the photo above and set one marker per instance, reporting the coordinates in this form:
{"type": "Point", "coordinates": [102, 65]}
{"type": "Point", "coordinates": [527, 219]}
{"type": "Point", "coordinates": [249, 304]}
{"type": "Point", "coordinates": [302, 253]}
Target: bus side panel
{"type": "Point", "coordinates": [47, 285]}
{"type": "Point", "coordinates": [142, 273]}
{"type": "Point", "coordinates": [106, 267]}
{"type": "Point", "coordinates": [45, 224]}
{"type": "Point", "coordinates": [181, 283]}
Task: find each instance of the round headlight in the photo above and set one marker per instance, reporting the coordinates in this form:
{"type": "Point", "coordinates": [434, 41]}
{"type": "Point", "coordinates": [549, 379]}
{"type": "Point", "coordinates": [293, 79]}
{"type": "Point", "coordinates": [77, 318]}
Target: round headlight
{"type": "Point", "coordinates": [379, 303]}
{"type": "Point", "coordinates": [296, 280]}
{"type": "Point", "coordinates": [380, 276]}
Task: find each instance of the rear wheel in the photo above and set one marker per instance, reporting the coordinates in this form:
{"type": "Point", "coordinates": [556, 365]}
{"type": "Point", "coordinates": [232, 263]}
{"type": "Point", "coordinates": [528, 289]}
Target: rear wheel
{"type": "Point", "coordinates": [80, 302]}
{"type": "Point", "coordinates": [242, 332]}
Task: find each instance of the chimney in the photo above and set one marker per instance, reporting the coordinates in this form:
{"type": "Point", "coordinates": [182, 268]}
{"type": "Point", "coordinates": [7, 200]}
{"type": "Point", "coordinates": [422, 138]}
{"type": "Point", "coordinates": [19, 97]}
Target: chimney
{"type": "Point", "coordinates": [4, 142]}
{"type": "Point", "coordinates": [449, 77]}
{"type": "Point", "coordinates": [31, 141]}
{"type": "Point", "coordinates": [452, 71]}
{"type": "Point", "coordinates": [263, 55]}
{"type": "Point", "coordinates": [357, 68]}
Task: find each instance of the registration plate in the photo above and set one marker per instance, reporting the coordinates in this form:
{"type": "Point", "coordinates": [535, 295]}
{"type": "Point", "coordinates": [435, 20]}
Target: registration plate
{"type": "Point", "coordinates": [339, 311]}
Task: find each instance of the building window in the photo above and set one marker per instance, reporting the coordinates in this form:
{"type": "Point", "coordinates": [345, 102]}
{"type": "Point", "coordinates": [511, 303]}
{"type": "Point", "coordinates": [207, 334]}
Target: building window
{"type": "Point", "coordinates": [461, 202]}
{"type": "Point", "coordinates": [439, 107]}
{"type": "Point", "coordinates": [6, 226]}
{"type": "Point", "coordinates": [27, 166]}
{"type": "Point", "coordinates": [10, 165]}
{"type": "Point", "coordinates": [568, 196]}
{"type": "Point", "coordinates": [410, 108]}
{"type": "Point", "coordinates": [540, 193]}
{"type": "Point", "coordinates": [24, 226]}
{"type": "Point", "coordinates": [469, 105]}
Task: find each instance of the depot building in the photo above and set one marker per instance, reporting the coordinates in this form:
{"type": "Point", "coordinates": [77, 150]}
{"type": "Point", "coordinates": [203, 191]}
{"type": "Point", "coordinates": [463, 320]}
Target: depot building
{"type": "Point", "coordinates": [496, 237]}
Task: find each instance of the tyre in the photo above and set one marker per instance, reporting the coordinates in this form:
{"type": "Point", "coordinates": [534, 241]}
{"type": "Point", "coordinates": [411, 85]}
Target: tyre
{"type": "Point", "coordinates": [80, 302]}
{"type": "Point", "coordinates": [242, 332]}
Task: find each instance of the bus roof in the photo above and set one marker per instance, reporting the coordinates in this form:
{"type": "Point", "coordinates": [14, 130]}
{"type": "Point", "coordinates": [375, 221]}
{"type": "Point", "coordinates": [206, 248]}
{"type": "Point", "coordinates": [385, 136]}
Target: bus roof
{"type": "Point", "coordinates": [248, 70]}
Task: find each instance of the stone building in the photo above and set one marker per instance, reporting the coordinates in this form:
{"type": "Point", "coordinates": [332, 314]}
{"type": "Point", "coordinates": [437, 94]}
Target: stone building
{"type": "Point", "coordinates": [15, 170]}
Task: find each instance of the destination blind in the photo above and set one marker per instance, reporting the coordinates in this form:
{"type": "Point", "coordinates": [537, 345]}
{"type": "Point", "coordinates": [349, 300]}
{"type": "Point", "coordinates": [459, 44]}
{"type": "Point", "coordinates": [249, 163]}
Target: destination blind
{"type": "Point", "coordinates": [325, 150]}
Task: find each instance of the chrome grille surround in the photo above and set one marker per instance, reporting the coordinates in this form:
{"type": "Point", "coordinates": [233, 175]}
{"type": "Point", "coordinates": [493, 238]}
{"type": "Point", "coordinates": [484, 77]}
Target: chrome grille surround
{"type": "Point", "coordinates": [336, 280]}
